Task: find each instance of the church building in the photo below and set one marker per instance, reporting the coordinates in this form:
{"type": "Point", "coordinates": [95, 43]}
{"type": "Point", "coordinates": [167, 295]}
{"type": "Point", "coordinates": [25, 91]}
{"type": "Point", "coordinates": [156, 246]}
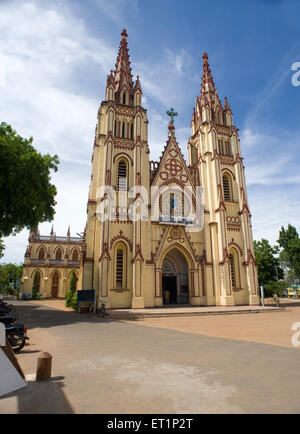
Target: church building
{"type": "Point", "coordinates": [146, 243]}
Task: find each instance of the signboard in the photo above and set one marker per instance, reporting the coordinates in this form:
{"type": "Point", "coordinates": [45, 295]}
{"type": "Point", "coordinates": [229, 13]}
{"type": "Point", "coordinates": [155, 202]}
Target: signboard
{"type": "Point", "coordinates": [86, 296]}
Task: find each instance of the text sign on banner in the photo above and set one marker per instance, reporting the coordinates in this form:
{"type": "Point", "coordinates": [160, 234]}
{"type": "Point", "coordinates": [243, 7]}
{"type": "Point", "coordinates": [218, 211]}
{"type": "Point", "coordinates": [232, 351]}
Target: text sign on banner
{"type": "Point", "coordinates": [86, 296]}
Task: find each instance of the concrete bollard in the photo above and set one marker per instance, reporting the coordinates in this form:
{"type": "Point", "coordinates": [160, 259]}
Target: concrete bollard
{"type": "Point", "coordinates": [44, 364]}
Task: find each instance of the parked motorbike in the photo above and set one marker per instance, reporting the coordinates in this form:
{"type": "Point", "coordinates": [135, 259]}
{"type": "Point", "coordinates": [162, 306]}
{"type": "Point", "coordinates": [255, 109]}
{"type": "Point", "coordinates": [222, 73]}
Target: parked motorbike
{"type": "Point", "coordinates": [16, 335]}
{"type": "Point", "coordinates": [7, 308]}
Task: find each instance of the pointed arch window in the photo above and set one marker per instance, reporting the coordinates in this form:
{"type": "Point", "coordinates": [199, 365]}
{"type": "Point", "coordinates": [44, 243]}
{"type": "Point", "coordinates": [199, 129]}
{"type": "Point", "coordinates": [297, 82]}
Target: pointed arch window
{"type": "Point", "coordinates": [37, 279]}
{"type": "Point", "coordinates": [172, 204]}
{"type": "Point", "coordinates": [131, 131]}
{"type": "Point", "coordinates": [119, 269]}
{"type": "Point", "coordinates": [55, 284]}
{"type": "Point", "coordinates": [75, 255]}
{"type": "Point", "coordinates": [120, 266]}
{"type": "Point", "coordinates": [232, 270]}
{"type": "Point", "coordinates": [227, 148]}
{"type": "Point", "coordinates": [124, 98]}
{"type": "Point", "coordinates": [58, 255]}
{"type": "Point", "coordinates": [227, 188]}
{"type": "Point", "coordinates": [123, 129]}
{"type": "Point", "coordinates": [222, 150]}
{"type": "Point", "coordinates": [122, 175]}
{"type": "Point", "coordinates": [42, 253]}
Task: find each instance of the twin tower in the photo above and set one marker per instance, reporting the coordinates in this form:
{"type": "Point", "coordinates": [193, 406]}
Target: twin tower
{"type": "Point", "coordinates": [140, 248]}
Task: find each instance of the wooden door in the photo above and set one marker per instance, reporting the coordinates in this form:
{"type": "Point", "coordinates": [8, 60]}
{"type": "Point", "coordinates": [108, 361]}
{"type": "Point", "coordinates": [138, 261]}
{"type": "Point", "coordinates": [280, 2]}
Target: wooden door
{"type": "Point", "coordinates": [55, 285]}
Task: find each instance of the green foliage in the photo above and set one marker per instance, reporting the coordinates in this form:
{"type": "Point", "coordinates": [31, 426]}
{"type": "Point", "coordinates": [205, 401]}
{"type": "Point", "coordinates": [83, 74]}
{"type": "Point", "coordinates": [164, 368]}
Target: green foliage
{"type": "Point", "coordinates": [73, 280]}
{"type": "Point", "coordinates": [35, 287]}
{"type": "Point", "coordinates": [10, 275]}
{"type": "Point", "coordinates": [267, 264]}
{"type": "Point", "coordinates": [68, 298]}
{"type": "Point", "coordinates": [290, 255]}
{"type": "Point", "coordinates": [272, 288]}
{"type": "Point", "coordinates": [74, 303]}
{"type": "Point", "coordinates": [72, 291]}
{"type": "Point", "coordinates": [2, 248]}
{"type": "Point", "coordinates": [27, 196]}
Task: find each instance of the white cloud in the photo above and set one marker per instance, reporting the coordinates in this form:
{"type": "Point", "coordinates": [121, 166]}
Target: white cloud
{"type": "Point", "coordinates": [272, 208]}
{"type": "Point", "coordinates": [41, 96]}
{"type": "Point", "coordinates": [166, 80]}
{"type": "Point", "coordinates": [273, 178]}
{"type": "Point", "coordinates": [117, 10]}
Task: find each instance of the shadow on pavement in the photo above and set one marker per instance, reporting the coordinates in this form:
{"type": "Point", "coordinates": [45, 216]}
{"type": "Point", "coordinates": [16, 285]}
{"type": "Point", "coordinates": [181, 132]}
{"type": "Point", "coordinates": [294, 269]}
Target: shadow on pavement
{"type": "Point", "coordinates": [39, 316]}
{"type": "Point", "coordinates": [45, 397]}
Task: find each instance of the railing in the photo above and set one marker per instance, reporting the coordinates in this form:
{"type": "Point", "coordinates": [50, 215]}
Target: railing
{"type": "Point", "coordinates": [56, 262]}
{"type": "Point", "coordinates": [74, 263]}
{"type": "Point", "coordinates": [37, 261]}
{"type": "Point", "coordinates": [73, 240]}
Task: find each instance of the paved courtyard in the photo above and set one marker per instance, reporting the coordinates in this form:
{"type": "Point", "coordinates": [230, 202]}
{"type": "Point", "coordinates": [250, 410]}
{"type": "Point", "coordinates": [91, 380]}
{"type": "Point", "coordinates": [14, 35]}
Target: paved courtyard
{"type": "Point", "coordinates": [217, 364]}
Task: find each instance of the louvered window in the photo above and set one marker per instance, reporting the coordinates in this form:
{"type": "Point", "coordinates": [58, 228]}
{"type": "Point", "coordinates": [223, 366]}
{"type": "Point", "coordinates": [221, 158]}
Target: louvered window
{"type": "Point", "coordinates": [119, 269]}
{"type": "Point", "coordinates": [233, 279]}
{"type": "Point", "coordinates": [122, 176]}
{"type": "Point", "coordinates": [226, 188]}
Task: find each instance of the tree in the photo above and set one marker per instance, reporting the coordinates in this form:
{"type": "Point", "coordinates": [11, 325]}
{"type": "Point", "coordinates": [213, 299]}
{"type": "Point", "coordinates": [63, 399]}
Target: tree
{"type": "Point", "coordinates": [267, 264]}
{"type": "Point", "coordinates": [2, 248]}
{"type": "Point", "coordinates": [71, 294]}
{"type": "Point", "coordinates": [10, 274]}
{"type": "Point", "coordinates": [27, 196]}
{"type": "Point", "coordinates": [290, 242]}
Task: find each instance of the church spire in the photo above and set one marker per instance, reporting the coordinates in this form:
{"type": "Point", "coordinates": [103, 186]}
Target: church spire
{"type": "Point", "coordinates": [123, 76]}
{"type": "Point", "coordinates": [227, 106]}
{"type": "Point", "coordinates": [209, 94]}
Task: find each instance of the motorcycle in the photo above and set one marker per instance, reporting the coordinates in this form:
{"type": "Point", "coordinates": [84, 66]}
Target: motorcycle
{"type": "Point", "coordinates": [7, 308]}
{"type": "Point", "coordinates": [16, 335]}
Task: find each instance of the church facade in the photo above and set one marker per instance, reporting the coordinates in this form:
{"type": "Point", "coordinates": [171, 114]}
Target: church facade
{"type": "Point", "coordinates": [141, 246]}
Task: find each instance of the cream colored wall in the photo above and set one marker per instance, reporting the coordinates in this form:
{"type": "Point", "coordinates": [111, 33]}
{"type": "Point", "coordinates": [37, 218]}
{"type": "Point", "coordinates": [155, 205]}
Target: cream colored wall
{"type": "Point", "coordinates": [46, 269]}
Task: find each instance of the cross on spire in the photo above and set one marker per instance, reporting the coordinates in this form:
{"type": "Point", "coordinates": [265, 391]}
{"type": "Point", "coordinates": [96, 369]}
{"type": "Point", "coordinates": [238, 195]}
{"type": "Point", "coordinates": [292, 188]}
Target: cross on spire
{"type": "Point", "coordinates": [172, 114]}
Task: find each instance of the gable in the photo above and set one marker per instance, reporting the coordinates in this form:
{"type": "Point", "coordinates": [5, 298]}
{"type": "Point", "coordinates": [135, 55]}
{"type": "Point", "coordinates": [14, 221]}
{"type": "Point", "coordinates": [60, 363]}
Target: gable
{"type": "Point", "coordinates": [172, 167]}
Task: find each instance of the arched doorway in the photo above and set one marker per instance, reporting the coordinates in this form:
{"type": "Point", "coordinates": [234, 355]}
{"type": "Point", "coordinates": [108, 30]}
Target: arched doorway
{"type": "Point", "coordinates": [55, 284]}
{"type": "Point", "coordinates": [175, 287]}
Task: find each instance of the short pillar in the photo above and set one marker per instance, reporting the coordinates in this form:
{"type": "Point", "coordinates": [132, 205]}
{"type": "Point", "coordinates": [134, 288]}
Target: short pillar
{"type": "Point", "coordinates": [44, 364]}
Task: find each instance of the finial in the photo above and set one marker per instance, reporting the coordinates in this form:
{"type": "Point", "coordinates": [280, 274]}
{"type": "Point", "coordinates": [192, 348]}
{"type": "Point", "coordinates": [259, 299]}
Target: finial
{"type": "Point", "coordinates": [124, 34]}
{"type": "Point", "coordinates": [205, 57]}
{"type": "Point", "coordinates": [172, 114]}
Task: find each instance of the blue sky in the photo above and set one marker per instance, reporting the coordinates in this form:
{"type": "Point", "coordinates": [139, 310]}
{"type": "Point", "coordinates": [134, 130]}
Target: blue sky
{"type": "Point", "coordinates": [55, 55]}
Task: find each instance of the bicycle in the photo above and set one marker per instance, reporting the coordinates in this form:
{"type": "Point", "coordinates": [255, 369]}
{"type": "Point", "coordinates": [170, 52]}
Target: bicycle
{"type": "Point", "coordinates": [90, 309]}
{"type": "Point", "coordinates": [102, 311]}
